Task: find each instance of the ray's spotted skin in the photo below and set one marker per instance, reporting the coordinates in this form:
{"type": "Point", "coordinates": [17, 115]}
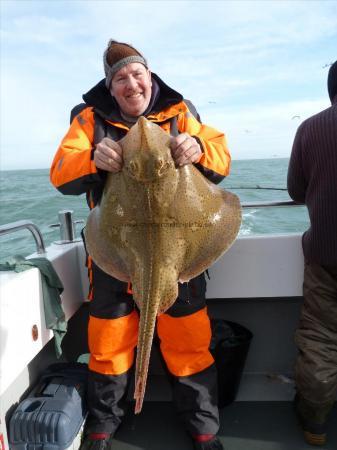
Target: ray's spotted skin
{"type": "Point", "coordinates": [157, 225]}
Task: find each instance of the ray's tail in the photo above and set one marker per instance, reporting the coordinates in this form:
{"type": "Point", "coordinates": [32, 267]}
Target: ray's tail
{"type": "Point", "coordinates": [148, 315]}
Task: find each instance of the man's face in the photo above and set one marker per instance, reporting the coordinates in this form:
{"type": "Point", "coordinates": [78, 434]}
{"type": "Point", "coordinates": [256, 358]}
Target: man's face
{"type": "Point", "coordinates": [131, 87]}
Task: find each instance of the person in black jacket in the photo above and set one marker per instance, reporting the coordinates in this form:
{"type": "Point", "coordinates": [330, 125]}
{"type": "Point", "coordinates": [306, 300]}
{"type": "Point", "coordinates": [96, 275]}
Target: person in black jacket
{"type": "Point", "coordinates": [312, 179]}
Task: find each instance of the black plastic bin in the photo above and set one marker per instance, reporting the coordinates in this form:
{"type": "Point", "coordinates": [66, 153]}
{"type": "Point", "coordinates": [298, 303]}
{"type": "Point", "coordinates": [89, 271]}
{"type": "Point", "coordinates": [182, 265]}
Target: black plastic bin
{"type": "Point", "coordinates": [229, 347]}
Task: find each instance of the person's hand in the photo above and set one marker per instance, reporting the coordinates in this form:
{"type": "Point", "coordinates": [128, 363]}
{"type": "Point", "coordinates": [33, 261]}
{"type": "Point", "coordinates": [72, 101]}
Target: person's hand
{"type": "Point", "coordinates": [185, 149]}
{"type": "Point", "coordinates": [108, 155]}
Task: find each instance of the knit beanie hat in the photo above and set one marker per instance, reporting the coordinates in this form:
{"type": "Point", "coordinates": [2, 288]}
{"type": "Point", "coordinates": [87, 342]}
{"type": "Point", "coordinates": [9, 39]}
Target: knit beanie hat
{"type": "Point", "coordinates": [332, 81]}
{"type": "Point", "coordinates": [118, 55]}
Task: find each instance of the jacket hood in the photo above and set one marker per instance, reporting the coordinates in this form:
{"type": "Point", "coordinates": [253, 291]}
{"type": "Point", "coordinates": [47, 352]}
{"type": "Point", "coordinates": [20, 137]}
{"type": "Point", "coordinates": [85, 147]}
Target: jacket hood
{"type": "Point", "coordinates": [100, 99]}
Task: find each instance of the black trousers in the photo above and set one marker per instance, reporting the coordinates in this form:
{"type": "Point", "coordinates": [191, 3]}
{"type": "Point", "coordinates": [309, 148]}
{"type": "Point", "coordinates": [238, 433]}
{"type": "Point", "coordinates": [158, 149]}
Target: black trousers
{"type": "Point", "coordinates": [194, 395]}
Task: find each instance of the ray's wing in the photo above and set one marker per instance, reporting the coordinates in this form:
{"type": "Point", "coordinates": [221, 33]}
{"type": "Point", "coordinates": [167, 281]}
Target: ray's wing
{"type": "Point", "coordinates": [212, 221]}
{"type": "Point", "coordinates": [106, 253]}
{"type": "Point", "coordinates": [107, 229]}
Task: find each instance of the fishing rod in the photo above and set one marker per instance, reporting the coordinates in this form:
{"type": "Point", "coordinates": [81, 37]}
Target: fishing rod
{"type": "Point", "coordinates": [264, 204]}
{"type": "Point", "coordinates": [268, 204]}
{"type": "Point", "coordinates": [267, 188]}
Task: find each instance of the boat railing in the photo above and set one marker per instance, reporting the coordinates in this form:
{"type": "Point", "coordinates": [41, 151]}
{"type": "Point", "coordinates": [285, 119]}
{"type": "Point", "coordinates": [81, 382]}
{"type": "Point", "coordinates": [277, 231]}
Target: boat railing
{"type": "Point", "coordinates": [67, 227]}
{"type": "Point", "coordinates": [25, 225]}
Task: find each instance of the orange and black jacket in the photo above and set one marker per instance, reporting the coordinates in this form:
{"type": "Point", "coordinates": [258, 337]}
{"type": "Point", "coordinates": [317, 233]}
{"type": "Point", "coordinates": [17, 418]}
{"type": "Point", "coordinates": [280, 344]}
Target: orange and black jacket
{"type": "Point", "coordinates": [73, 170]}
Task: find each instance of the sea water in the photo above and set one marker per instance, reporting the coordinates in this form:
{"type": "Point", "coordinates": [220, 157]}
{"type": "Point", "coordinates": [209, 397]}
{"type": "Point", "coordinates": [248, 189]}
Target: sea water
{"type": "Point", "coordinates": [28, 195]}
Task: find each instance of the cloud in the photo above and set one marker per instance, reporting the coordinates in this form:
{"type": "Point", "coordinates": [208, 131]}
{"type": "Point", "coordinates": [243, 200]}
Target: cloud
{"type": "Point", "coordinates": [242, 63]}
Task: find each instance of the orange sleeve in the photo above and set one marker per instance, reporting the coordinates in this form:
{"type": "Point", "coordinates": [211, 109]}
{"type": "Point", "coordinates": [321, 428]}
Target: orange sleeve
{"type": "Point", "coordinates": [216, 157]}
{"type": "Point", "coordinates": [73, 170]}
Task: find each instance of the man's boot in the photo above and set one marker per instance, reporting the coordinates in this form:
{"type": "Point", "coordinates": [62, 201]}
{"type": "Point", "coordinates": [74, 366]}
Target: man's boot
{"type": "Point", "coordinates": [312, 419]}
{"type": "Point", "coordinates": [96, 441]}
{"type": "Point", "coordinates": [207, 442]}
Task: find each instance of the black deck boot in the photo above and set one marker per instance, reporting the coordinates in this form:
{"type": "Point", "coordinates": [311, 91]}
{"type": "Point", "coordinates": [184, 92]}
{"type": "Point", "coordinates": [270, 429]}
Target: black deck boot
{"type": "Point", "coordinates": [312, 420]}
{"type": "Point", "coordinates": [212, 444]}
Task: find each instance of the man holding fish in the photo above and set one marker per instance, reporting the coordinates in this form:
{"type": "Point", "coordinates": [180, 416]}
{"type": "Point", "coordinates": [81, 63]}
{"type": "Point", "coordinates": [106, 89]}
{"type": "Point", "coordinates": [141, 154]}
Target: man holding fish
{"type": "Point", "coordinates": [91, 151]}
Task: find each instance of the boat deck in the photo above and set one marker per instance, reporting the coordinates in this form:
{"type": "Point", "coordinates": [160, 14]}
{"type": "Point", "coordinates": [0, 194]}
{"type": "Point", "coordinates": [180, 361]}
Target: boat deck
{"type": "Point", "coordinates": [244, 426]}
{"type": "Point", "coordinates": [261, 418]}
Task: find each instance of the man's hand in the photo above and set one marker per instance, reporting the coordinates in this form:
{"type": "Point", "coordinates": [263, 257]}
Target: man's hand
{"type": "Point", "coordinates": [185, 149]}
{"type": "Point", "coordinates": [108, 155]}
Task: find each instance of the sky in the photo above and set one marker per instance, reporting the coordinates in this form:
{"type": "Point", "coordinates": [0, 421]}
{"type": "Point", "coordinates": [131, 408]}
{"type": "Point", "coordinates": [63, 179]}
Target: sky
{"type": "Point", "coordinates": [254, 69]}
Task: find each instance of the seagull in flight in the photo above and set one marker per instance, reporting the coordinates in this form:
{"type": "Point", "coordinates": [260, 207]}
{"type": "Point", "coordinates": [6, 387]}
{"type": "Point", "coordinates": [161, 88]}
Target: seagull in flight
{"type": "Point", "coordinates": [327, 65]}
